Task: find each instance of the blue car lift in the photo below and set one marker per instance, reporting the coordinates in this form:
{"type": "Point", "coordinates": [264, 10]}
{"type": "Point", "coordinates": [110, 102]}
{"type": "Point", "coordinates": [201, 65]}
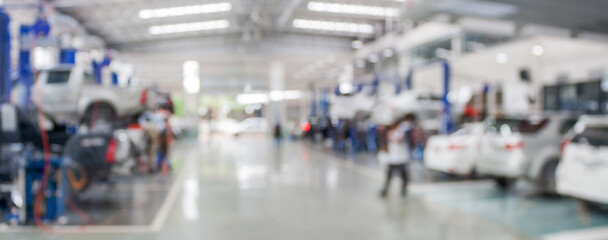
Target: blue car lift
{"type": "Point", "coordinates": [32, 168]}
{"type": "Point", "coordinates": [447, 126]}
{"type": "Point", "coordinates": [5, 57]}
{"type": "Point", "coordinates": [53, 198]}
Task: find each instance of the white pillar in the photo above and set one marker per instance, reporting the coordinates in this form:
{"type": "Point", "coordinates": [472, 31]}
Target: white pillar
{"type": "Point", "coordinates": [191, 84]}
{"type": "Point", "coordinates": [277, 110]}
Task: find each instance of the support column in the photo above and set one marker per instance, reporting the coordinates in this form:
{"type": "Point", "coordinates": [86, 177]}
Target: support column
{"type": "Point", "coordinates": [192, 83]}
{"type": "Point", "coordinates": [277, 108]}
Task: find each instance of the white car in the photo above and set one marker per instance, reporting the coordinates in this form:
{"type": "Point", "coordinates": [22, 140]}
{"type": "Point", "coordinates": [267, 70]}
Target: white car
{"type": "Point", "coordinates": [456, 153]}
{"type": "Point", "coordinates": [425, 104]}
{"type": "Point", "coordinates": [583, 170]}
{"type": "Point", "coordinates": [70, 93]}
{"type": "Point", "coordinates": [233, 127]}
{"type": "Point", "coordinates": [523, 147]}
{"type": "Point", "coordinates": [226, 126]}
{"type": "Point", "coordinates": [253, 125]}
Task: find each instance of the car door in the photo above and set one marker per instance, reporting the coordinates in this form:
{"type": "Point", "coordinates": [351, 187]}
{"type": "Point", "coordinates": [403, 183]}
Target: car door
{"type": "Point", "coordinates": [56, 92]}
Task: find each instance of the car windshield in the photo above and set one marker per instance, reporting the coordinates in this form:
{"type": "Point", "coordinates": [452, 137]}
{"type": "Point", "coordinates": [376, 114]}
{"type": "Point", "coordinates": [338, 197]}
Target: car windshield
{"type": "Point", "coordinates": [593, 135]}
{"type": "Point", "coordinates": [517, 125]}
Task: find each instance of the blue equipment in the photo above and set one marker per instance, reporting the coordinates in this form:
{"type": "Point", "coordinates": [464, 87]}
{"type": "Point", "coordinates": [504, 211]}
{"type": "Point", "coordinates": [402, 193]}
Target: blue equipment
{"type": "Point", "coordinates": [5, 57]}
{"type": "Point", "coordinates": [67, 56]}
{"type": "Point", "coordinates": [98, 66]}
{"type": "Point", "coordinates": [52, 203]}
{"type": "Point", "coordinates": [30, 36]}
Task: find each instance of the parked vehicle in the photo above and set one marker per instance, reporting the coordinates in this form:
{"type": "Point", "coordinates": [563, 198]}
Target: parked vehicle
{"type": "Point", "coordinates": [456, 153]}
{"type": "Point", "coordinates": [226, 126]}
{"type": "Point", "coordinates": [528, 147]}
{"type": "Point", "coordinates": [71, 92]}
{"type": "Point", "coordinates": [583, 170]}
{"type": "Point", "coordinates": [254, 125]}
{"type": "Point", "coordinates": [426, 105]}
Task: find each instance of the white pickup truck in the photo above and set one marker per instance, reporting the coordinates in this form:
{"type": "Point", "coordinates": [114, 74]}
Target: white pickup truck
{"type": "Point", "coordinates": [71, 92]}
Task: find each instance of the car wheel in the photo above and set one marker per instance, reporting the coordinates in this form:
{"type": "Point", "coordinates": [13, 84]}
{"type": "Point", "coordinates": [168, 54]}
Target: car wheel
{"type": "Point", "coordinates": [473, 174]}
{"type": "Point", "coordinates": [100, 117]}
{"type": "Point", "coordinates": [503, 183]}
{"type": "Point", "coordinates": [547, 177]}
{"type": "Point", "coordinates": [594, 205]}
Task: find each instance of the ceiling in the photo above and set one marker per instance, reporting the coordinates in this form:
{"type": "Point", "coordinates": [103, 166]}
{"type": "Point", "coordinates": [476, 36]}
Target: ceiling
{"type": "Point", "coordinates": [261, 31]}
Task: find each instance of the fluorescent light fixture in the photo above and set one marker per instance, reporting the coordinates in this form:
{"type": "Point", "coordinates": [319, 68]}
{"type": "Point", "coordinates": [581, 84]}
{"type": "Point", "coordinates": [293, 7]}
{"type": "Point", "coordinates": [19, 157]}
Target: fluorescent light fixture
{"type": "Point", "coordinates": [333, 26]}
{"type": "Point", "coordinates": [189, 27]}
{"type": "Point", "coordinates": [346, 88]}
{"type": "Point", "coordinates": [354, 9]}
{"type": "Point", "coordinates": [185, 10]}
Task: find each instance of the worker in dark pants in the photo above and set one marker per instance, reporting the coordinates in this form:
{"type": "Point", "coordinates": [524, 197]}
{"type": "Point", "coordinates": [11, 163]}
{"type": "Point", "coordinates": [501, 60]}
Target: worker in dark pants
{"type": "Point", "coordinates": [398, 153]}
{"type": "Point", "coordinates": [277, 133]}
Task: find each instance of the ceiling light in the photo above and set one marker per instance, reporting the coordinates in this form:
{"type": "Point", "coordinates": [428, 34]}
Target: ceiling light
{"type": "Point", "coordinates": [357, 44]}
{"type": "Point", "coordinates": [189, 27]}
{"type": "Point", "coordinates": [353, 9]}
{"type": "Point", "coordinates": [346, 88]}
{"type": "Point", "coordinates": [333, 26]}
{"type": "Point", "coordinates": [185, 10]}
{"type": "Point", "coordinates": [502, 58]}
{"type": "Point", "coordinates": [538, 50]}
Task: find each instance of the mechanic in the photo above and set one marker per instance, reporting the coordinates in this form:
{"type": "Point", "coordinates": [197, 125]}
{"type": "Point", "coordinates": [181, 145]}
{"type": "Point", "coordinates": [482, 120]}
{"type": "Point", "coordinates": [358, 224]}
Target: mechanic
{"type": "Point", "coordinates": [398, 153]}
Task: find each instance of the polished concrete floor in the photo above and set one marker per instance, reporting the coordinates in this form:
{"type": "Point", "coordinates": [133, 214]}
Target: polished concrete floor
{"type": "Point", "coordinates": [249, 188]}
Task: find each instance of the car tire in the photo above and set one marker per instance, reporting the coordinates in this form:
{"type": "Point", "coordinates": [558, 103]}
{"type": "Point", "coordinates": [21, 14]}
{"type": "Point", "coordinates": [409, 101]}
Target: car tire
{"type": "Point", "coordinates": [100, 117]}
{"type": "Point", "coordinates": [503, 183]}
{"type": "Point", "coordinates": [473, 174]}
{"type": "Point", "coordinates": [594, 205]}
{"type": "Point", "coordinates": [547, 177]}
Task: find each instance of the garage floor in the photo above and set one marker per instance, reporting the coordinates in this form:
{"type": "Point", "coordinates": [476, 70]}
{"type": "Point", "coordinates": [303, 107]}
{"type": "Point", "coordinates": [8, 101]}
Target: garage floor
{"type": "Point", "coordinates": [248, 188]}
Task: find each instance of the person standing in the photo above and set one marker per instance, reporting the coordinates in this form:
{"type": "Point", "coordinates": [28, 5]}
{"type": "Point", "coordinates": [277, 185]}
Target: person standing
{"type": "Point", "coordinates": [277, 133]}
{"type": "Point", "coordinates": [398, 154]}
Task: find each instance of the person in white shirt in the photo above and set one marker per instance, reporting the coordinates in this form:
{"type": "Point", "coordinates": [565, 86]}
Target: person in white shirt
{"type": "Point", "coordinates": [397, 154]}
